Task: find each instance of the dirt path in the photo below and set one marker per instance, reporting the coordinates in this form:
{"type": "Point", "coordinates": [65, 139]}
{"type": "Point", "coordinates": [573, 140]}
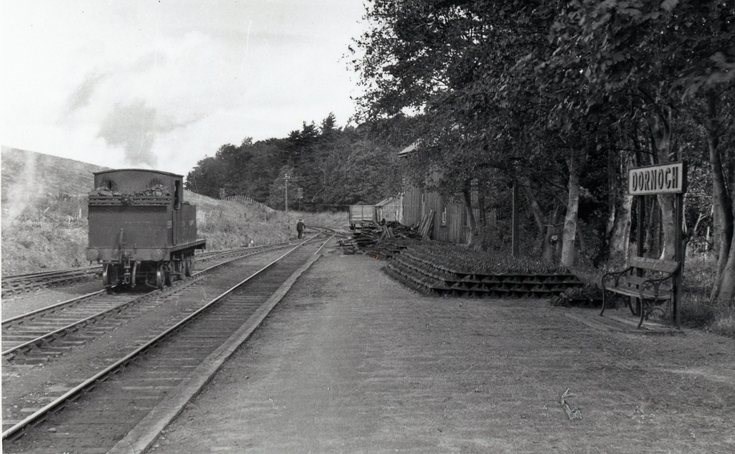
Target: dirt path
{"type": "Point", "coordinates": [354, 362]}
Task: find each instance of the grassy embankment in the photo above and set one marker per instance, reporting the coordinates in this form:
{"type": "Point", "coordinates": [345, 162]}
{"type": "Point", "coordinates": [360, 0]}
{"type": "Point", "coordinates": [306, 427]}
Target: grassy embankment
{"type": "Point", "coordinates": [44, 215]}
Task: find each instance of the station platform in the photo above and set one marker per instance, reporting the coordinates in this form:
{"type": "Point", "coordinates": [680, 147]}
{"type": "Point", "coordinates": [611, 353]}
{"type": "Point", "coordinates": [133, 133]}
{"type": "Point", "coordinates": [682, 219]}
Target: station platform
{"type": "Point", "coordinates": [352, 361]}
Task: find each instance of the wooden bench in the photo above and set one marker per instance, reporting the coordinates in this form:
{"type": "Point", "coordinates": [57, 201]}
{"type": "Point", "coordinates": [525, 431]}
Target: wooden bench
{"type": "Point", "coordinates": [653, 287]}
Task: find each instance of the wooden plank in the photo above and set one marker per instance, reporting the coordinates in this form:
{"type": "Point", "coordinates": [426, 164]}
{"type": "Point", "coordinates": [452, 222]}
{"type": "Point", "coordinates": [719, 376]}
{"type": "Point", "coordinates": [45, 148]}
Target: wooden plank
{"type": "Point", "coordinates": [411, 205]}
{"type": "Point", "coordinates": [455, 223]}
{"type": "Point", "coordinates": [664, 266]}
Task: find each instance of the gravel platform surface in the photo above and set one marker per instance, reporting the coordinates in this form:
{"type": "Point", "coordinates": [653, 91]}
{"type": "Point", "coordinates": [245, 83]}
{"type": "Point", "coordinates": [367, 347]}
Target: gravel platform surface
{"type": "Point", "coordinates": [351, 361]}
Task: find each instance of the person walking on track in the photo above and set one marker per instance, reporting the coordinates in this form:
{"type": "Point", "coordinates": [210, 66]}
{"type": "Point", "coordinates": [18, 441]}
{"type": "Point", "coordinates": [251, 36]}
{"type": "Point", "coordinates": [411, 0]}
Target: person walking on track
{"type": "Point", "coordinates": [300, 228]}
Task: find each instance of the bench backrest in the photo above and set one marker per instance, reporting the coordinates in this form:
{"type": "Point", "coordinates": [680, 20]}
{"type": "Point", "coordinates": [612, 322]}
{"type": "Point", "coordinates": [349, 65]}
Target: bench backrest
{"type": "Point", "coordinates": [663, 266]}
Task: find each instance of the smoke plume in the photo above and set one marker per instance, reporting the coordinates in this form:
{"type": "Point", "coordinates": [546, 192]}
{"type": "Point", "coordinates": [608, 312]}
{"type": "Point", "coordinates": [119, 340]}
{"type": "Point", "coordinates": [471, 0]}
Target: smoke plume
{"type": "Point", "coordinates": [135, 127]}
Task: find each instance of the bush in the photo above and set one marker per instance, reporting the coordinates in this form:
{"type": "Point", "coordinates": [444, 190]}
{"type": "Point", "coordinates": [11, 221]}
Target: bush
{"type": "Point", "coordinates": [468, 261]}
{"type": "Point", "coordinates": [725, 322]}
{"type": "Point", "coordinates": [695, 311]}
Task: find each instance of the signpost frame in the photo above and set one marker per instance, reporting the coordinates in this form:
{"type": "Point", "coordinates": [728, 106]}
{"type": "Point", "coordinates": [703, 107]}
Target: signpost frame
{"type": "Point", "coordinates": [670, 178]}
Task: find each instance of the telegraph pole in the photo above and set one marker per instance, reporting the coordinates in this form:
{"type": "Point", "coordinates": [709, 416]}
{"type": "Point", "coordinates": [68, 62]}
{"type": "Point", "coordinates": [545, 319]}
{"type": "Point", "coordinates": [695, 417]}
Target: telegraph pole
{"type": "Point", "coordinates": [514, 227]}
{"type": "Point", "coordinates": [285, 191]}
{"type": "Point", "coordinates": [515, 240]}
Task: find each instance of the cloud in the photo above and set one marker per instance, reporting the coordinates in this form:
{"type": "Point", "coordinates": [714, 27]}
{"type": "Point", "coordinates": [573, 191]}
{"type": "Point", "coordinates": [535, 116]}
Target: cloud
{"type": "Point", "coordinates": [83, 94]}
{"type": "Point", "coordinates": [148, 61]}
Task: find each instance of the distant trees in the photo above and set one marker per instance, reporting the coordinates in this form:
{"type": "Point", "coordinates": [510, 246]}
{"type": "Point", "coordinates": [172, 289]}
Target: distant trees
{"type": "Point", "coordinates": [564, 97]}
{"type": "Point", "coordinates": [333, 167]}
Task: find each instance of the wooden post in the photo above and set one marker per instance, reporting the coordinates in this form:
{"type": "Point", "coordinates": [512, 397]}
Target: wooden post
{"type": "Point", "coordinates": [514, 220]}
{"type": "Point", "coordinates": [285, 192]}
{"type": "Point", "coordinates": [679, 250]}
{"type": "Point", "coordinates": [639, 239]}
{"type": "Point", "coordinates": [640, 225]}
{"type": "Point", "coordinates": [679, 254]}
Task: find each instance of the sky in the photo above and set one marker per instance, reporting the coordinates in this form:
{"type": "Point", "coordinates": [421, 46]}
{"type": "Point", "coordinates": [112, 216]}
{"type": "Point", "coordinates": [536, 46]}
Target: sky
{"type": "Point", "coordinates": [161, 84]}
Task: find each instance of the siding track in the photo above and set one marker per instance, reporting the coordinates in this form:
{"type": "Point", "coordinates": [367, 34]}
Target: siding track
{"type": "Point", "coordinates": [22, 283]}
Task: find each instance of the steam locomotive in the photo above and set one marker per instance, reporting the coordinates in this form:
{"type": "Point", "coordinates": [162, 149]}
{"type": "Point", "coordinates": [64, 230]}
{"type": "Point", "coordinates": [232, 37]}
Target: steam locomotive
{"type": "Point", "coordinates": [140, 228]}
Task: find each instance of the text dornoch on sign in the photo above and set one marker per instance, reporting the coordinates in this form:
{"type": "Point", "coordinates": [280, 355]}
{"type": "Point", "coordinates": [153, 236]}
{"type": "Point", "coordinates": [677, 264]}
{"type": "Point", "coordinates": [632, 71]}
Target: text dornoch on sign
{"type": "Point", "coordinates": [662, 179]}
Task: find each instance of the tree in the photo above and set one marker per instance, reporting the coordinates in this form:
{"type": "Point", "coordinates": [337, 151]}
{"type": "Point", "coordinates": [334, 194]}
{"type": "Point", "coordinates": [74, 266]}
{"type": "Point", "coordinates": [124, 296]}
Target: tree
{"type": "Point", "coordinates": [469, 68]}
{"type": "Point", "coordinates": [670, 60]}
{"type": "Point", "coordinates": [333, 166]}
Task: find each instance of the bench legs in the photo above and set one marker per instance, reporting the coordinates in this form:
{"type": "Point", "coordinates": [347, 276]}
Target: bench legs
{"type": "Point", "coordinates": [635, 305]}
{"type": "Point", "coordinates": [642, 311]}
{"type": "Point", "coordinates": [630, 304]}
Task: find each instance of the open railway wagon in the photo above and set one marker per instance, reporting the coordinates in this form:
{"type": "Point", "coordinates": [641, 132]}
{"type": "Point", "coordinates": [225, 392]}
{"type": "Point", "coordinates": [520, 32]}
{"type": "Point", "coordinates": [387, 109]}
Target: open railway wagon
{"type": "Point", "coordinates": [361, 216]}
{"type": "Point", "coordinates": [140, 228]}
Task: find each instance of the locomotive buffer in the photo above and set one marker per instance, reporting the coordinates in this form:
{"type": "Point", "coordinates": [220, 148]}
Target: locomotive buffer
{"type": "Point", "coordinates": [140, 228]}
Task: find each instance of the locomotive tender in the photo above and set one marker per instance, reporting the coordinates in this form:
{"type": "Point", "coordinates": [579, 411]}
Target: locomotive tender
{"type": "Point", "coordinates": [140, 228]}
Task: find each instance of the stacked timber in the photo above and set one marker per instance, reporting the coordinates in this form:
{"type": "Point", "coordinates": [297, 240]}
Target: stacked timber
{"type": "Point", "coordinates": [389, 247]}
{"type": "Point", "coordinates": [430, 276]}
{"type": "Point", "coordinates": [380, 241]}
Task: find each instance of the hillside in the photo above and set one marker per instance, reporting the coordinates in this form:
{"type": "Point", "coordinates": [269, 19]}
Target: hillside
{"type": "Point", "coordinates": [44, 214]}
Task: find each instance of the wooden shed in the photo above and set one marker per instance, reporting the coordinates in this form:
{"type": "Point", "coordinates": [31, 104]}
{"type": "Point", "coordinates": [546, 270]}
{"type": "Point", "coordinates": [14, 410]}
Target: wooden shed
{"type": "Point", "coordinates": [389, 209]}
{"type": "Point", "coordinates": [450, 214]}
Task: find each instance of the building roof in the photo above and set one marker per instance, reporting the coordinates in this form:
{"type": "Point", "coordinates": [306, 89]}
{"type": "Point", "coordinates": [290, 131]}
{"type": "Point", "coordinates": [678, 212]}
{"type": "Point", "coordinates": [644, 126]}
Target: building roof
{"type": "Point", "coordinates": [385, 202]}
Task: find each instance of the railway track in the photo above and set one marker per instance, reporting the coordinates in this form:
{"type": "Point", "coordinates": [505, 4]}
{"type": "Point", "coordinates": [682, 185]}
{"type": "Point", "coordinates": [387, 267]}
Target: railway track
{"type": "Point", "coordinates": [128, 388]}
{"type": "Point", "coordinates": [23, 283]}
{"type": "Point", "coordinates": [22, 333]}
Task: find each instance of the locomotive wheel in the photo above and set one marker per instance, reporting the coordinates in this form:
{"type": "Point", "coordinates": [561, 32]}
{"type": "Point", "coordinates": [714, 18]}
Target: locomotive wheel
{"type": "Point", "coordinates": [106, 275]}
{"type": "Point", "coordinates": [160, 277]}
{"type": "Point", "coordinates": [109, 277]}
{"type": "Point", "coordinates": [187, 267]}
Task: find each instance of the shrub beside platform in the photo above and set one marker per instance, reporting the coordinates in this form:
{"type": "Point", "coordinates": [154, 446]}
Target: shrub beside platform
{"type": "Point", "coordinates": [428, 274]}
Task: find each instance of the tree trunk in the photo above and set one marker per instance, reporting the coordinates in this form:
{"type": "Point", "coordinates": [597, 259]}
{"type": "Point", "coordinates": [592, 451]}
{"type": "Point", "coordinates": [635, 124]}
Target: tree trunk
{"type": "Point", "coordinates": [661, 143]}
{"type": "Point", "coordinates": [467, 193]}
{"type": "Point", "coordinates": [620, 239]}
{"type": "Point", "coordinates": [613, 184]}
{"type": "Point", "coordinates": [724, 286]}
{"type": "Point", "coordinates": [570, 219]}
{"type": "Point", "coordinates": [668, 225]}
{"type": "Point", "coordinates": [580, 238]}
{"type": "Point", "coordinates": [481, 206]}
{"type": "Point", "coordinates": [727, 287]}
{"type": "Point", "coordinates": [549, 248]}
{"type": "Point", "coordinates": [483, 243]}
{"type": "Point", "coordinates": [536, 213]}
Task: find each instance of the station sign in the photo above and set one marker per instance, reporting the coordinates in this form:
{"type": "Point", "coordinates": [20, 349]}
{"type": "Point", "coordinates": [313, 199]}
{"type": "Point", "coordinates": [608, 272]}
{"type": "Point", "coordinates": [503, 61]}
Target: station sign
{"type": "Point", "coordinates": [663, 179]}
